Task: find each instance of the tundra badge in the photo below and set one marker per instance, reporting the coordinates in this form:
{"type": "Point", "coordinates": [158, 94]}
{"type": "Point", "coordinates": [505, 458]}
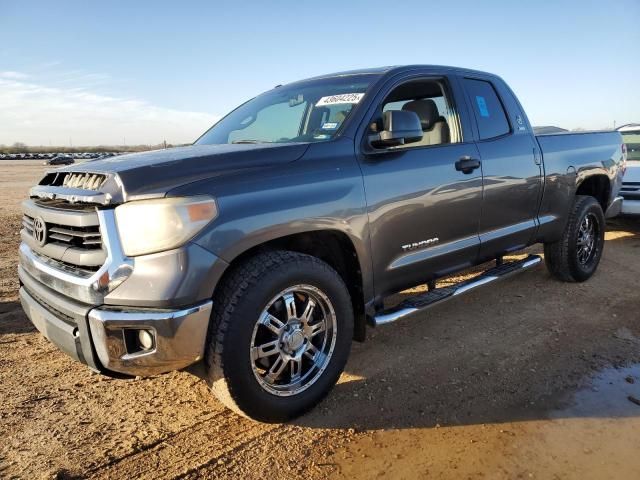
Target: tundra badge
{"type": "Point", "coordinates": [420, 244]}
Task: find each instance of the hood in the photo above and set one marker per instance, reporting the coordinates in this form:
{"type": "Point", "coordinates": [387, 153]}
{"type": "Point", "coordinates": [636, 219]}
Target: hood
{"type": "Point", "coordinates": [156, 172]}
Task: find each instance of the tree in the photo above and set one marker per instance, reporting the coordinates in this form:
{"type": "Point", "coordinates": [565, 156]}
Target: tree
{"type": "Point", "coordinates": [19, 147]}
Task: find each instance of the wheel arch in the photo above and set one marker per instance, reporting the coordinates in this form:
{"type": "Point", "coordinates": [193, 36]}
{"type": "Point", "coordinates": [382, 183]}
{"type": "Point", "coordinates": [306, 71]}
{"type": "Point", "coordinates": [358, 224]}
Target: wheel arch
{"type": "Point", "coordinates": [335, 248]}
{"type": "Point", "coordinates": [597, 186]}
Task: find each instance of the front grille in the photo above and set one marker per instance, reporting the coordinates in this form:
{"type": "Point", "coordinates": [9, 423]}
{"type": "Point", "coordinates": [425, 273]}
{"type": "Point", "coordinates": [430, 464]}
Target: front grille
{"type": "Point", "coordinates": [80, 180]}
{"type": "Point", "coordinates": [70, 268]}
{"type": "Point", "coordinates": [84, 181]}
{"type": "Point", "coordinates": [87, 238]}
{"type": "Point", "coordinates": [630, 190]}
{"type": "Point", "coordinates": [62, 204]}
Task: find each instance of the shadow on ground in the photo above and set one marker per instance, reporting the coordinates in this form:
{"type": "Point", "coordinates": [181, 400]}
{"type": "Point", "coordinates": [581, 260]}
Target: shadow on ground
{"type": "Point", "coordinates": [507, 353]}
{"type": "Point", "coordinates": [13, 320]}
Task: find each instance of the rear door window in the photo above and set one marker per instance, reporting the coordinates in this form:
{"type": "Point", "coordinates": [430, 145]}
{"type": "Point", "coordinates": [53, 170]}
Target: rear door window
{"type": "Point", "coordinates": [488, 110]}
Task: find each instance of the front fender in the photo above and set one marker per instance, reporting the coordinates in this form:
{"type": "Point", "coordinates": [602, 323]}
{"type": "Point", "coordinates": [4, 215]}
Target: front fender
{"type": "Point", "coordinates": [323, 191]}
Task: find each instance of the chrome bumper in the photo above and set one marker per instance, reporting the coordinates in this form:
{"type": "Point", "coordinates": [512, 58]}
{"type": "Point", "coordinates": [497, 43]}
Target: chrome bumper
{"type": "Point", "coordinates": [178, 338]}
{"type": "Point", "coordinates": [95, 316]}
{"type": "Point", "coordinates": [615, 208]}
{"type": "Point", "coordinates": [102, 337]}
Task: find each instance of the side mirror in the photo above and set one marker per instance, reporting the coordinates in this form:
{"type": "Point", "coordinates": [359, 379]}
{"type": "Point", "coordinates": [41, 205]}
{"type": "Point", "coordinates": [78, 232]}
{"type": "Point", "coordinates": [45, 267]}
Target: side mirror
{"type": "Point", "coordinates": [400, 127]}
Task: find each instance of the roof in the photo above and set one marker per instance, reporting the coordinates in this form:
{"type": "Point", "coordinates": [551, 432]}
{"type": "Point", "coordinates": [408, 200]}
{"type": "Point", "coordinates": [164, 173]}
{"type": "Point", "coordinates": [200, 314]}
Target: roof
{"type": "Point", "coordinates": [393, 69]}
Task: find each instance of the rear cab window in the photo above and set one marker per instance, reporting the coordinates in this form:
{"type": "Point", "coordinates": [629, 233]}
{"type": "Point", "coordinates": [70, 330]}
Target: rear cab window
{"type": "Point", "coordinates": [488, 110]}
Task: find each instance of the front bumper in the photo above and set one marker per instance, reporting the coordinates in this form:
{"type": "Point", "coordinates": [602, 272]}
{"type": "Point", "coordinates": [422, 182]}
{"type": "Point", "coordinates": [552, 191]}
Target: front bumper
{"type": "Point", "coordinates": [101, 337]}
{"type": "Point", "coordinates": [178, 338]}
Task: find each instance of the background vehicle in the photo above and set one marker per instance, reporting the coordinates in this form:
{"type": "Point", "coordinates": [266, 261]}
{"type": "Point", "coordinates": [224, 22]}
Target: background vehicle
{"type": "Point", "coordinates": [59, 160]}
{"type": "Point", "coordinates": [548, 129]}
{"type": "Point", "coordinates": [282, 230]}
{"type": "Point", "coordinates": [630, 190]}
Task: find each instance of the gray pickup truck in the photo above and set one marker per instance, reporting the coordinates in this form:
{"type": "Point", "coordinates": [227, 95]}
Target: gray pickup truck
{"type": "Point", "coordinates": [260, 252]}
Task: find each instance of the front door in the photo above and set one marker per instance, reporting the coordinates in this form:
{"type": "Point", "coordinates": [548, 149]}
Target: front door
{"type": "Point", "coordinates": [423, 211]}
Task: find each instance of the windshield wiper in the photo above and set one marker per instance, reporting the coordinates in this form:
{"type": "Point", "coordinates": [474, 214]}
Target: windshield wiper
{"type": "Point", "coordinates": [248, 141]}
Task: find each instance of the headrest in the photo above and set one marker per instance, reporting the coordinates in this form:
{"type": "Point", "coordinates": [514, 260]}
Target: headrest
{"type": "Point", "coordinates": [426, 110]}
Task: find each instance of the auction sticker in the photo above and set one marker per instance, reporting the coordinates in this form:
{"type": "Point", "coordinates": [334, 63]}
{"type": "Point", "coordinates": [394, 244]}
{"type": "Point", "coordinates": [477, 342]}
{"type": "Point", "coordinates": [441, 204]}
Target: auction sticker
{"type": "Point", "coordinates": [342, 98]}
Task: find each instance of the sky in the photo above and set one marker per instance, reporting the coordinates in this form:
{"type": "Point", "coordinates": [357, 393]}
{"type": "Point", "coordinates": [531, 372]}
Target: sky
{"type": "Point", "coordinates": [141, 72]}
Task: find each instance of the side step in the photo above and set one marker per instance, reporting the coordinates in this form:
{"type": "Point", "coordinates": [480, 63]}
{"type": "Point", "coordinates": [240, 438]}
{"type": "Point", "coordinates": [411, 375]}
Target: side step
{"type": "Point", "coordinates": [432, 297]}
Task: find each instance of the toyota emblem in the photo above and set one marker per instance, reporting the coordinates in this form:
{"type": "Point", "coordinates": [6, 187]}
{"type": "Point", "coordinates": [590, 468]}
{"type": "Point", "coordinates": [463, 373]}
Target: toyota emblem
{"type": "Point", "coordinates": [39, 231]}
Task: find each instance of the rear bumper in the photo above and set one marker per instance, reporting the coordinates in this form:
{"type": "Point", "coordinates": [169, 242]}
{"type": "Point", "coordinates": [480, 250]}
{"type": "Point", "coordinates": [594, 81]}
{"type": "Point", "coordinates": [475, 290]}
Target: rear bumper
{"type": "Point", "coordinates": [631, 207]}
{"type": "Point", "coordinates": [104, 338]}
{"type": "Point", "coordinates": [615, 208]}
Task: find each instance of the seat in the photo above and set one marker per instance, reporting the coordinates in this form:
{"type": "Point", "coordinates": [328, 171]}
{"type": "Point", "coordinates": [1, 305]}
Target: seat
{"type": "Point", "coordinates": [434, 126]}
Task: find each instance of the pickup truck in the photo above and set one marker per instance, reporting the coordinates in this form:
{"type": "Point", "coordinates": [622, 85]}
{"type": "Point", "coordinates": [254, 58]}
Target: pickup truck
{"type": "Point", "coordinates": [259, 253]}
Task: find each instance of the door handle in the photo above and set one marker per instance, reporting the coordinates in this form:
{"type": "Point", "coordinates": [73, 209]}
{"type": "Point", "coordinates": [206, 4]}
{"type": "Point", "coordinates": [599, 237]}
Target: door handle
{"type": "Point", "coordinates": [467, 164]}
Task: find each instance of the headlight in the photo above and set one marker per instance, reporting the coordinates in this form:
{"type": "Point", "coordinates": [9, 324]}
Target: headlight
{"type": "Point", "coordinates": [149, 226]}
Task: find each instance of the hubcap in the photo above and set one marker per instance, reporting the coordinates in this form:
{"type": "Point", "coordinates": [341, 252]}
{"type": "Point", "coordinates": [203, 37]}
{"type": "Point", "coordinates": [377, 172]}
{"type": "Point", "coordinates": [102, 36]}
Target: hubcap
{"type": "Point", "coordinates": [293, 340]}
{"type": "Point", "coordinates": [587, 239]}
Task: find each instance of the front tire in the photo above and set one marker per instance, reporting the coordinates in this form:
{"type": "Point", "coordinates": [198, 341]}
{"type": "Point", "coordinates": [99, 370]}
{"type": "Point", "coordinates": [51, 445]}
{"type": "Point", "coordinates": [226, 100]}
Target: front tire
{"type": "Point", "coordinates": [281, 333]}
{"type": "Point", "coordinates": [576, 255]}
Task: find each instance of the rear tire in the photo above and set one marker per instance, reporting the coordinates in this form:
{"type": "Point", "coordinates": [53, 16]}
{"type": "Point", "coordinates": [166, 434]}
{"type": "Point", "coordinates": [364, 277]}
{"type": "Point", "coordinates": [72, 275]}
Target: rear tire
{"type": "Point", "coordinates": [281, 332]}
{"type": "Point", "coordinates": [576, 255]}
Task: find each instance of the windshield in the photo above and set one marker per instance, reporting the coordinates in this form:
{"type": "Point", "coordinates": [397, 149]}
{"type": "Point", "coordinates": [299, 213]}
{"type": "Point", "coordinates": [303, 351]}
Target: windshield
{"type": "Point", "coordinates": [632, 141]}
{"type": "Point", "coordinates": [311, 111]}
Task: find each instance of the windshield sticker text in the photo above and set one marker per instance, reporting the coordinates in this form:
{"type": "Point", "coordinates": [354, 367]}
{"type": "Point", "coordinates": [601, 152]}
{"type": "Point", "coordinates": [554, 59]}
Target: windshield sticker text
{"type": "Point", "coordinates": [342, 98]}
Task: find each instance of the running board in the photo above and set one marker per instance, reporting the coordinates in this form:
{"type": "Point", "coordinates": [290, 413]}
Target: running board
{"type": "Point", "coordinates": [425, 300]}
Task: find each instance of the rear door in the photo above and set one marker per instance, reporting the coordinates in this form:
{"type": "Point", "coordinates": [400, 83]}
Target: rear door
{"type": "Point", "coordinates": [511, 167]}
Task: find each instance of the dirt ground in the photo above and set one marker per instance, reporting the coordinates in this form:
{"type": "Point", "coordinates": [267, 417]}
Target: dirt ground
{"type": "Point", "coordinates": [532, 378]}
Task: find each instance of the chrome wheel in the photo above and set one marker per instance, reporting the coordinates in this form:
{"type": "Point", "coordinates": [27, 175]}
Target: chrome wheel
{"type": "Point", "coordinates": [293, 340]}
{"type": "Point", "coordinates": [587, 239]}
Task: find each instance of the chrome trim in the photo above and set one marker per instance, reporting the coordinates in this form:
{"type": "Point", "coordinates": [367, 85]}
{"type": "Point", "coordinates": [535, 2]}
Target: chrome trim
{"type": "Point", "coordinates": [615, 208]}
{"type": "Point", "coordinates": [74, 218]}
{"type": "Point", "coordinates": [84, 287]}
{"type": "Point", "coordinates": [474, 284]}
{"type": "Point", "coordinates": [385, 318]}
{"type": "Point", "coordinates": [437, 296]}
{"type": "Point", "coordinates": [532, 262]}
{"type": "Point", "coordinates": [179, 338]}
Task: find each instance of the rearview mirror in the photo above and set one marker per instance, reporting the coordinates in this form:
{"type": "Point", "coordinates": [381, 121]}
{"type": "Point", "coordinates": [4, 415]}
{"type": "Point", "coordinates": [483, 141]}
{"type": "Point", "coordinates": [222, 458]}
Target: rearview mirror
{"type": "Point", "coordinates": [399, 128]}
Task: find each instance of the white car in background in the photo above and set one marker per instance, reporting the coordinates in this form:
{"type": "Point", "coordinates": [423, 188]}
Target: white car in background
{"type": "Point", "coordinates": [630, 190]}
